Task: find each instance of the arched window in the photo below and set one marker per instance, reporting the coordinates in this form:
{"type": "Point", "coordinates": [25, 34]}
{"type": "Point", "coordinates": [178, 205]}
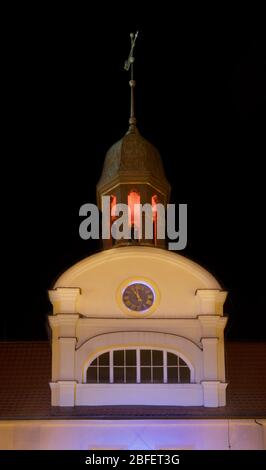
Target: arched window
{"type": "Point", "coordinates": [138, 366]}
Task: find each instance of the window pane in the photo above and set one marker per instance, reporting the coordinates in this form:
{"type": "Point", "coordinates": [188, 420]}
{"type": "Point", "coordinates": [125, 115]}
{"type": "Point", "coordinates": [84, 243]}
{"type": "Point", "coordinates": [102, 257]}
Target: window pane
{"type": "Point", "coordinates": [172, 375]}
{"type": "Point", "coordinates": [131, 375]}
{"type": "Point", "coordinates": [131, 357]}
{"type": "Point", "coordinates": [145, 357]}
{"type": "Point", "coordinates": [145, 374]}
{"type": "Point", "coordinates": [181, 362]}
{"type": "Point", "coordinates": [184, 373]}
{"type": "Point", "coordinates": [172, 359]}
{"type": "Point", "coordinates": [157, 374]}
{"type": "Point", "coordinates": [118, 374]}
{"type": "Point", "coordinates": [104, 359]}
{"type": "Point", "coordinates": [119, 358]}
{"type": "Point", "coordinates": [92, 375]}
{"type": "Point", "coordinates": [103, 374]}
{"type": "Point", "coordinates": [94, 363]}
{"type": "Point", "coordinates": [157, 358]}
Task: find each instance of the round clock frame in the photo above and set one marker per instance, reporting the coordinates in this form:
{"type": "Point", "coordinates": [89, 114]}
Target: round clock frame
{"type": "Point", "coordinates": [138, 297]}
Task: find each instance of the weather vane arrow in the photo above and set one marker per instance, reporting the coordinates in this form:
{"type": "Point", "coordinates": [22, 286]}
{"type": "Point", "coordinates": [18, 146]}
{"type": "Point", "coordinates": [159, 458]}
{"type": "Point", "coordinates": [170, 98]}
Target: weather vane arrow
{"type": "Point", "coordinates": [129, 65]}
{"type": "Point", "coordinates": [131, 59]}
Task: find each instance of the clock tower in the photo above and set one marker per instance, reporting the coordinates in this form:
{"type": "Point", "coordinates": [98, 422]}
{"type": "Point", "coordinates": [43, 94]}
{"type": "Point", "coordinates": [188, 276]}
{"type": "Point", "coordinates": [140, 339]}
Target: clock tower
{"type": "Point", "coordinates": [136, 324]}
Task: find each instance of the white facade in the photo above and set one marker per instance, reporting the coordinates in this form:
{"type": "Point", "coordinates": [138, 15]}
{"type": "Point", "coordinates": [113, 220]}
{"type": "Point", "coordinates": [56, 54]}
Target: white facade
{"type": "Point", "coordinates": [136, 434]}
{"type": "Point", "coordinates": [89, 319]}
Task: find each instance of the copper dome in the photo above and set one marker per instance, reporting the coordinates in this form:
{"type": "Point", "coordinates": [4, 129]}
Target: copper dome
{"type": "Point", "coordinates": [132, 157]}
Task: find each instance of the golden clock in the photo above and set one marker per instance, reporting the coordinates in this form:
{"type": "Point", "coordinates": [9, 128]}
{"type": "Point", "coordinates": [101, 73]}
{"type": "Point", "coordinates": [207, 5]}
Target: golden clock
{"type": "Point", "coordinates": [138, 297]}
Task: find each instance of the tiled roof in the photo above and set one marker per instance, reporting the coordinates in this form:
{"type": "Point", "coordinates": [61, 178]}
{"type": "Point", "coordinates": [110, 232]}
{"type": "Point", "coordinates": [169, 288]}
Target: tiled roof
{"type": "Point", "coordinates": [25, 371]}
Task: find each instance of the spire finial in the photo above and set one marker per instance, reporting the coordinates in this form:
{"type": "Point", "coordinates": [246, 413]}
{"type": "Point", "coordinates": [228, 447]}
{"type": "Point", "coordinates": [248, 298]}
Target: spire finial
{"type": "Point", "coordinates": [129, 65]}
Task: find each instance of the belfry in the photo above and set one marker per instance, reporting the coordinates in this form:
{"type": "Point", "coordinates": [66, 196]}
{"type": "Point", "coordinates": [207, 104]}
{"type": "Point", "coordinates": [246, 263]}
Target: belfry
{"type": "Point", "coordinates": [133, 173]}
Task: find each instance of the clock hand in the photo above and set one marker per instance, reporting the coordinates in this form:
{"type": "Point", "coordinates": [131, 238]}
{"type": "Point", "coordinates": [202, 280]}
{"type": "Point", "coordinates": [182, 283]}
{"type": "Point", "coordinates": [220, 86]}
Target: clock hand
{"type": "Point", "coordinates": [137, 294]}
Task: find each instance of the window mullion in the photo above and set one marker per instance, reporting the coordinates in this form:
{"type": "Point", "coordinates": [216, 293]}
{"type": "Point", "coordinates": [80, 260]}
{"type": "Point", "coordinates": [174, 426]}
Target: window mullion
{"type": "Point", "coordinates": [151, 367]}
{"type": "Point", "coordinates": [111, 366]}
{"type": "Point", "coordinates": [165, 379]}
{"type": "Point", "coordinates": [125, 377]}
{"type": "Point", "coordinates": [138, 366]}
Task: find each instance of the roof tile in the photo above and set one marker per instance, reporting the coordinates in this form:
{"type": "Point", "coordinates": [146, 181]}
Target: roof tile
{"type": "Point", "coordinates": [25, 373]}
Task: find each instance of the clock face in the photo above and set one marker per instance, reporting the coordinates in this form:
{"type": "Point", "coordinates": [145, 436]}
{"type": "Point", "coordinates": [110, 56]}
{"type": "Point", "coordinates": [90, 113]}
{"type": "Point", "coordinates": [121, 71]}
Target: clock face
{"type": "Point", "coordinates": [138, 297]}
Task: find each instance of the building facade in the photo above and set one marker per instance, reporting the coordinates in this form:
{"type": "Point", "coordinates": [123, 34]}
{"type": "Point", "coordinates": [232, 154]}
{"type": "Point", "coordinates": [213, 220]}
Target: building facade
{"type": "Point", "coordinates": [137, 347]}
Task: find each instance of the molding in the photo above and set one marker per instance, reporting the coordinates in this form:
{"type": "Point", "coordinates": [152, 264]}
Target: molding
{"type": "Point", "coordinates": [67, 339]}
{"type": "Point", "coordinates": [63, 319]}
{"type": "Point", "coordinates": [211, 393]}
{"type": "Point", "coordinates": [209, 340]}
{"type": "Point", "coordinates": [64, 299]}
{"type": "Point", "coordinates": [63, 392]}
{"type": "Point", "coordinates": [222, 393]}
{"type": "Point", "coordinates": [212, 325]}
{"type": "Point", "coordinates": [207, 294]}
{"type": "Point", "coordinates": [211, 301]}
{"type": "Point", "coordinates": [209, 320]}
{"type": "Point", "coordinates": [63, 325]}
{"type": "Point", "coordinates": [138, 331]}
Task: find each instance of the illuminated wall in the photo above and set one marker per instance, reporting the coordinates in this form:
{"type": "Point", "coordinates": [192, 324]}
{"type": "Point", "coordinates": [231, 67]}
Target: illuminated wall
{"type": "Point", "coordinates": [140, 435]}
{"type": "Point", "coordinates": [185, 317]}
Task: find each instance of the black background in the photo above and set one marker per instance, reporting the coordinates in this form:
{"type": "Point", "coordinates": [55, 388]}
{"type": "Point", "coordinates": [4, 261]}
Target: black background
{"type": "Point", "coordinates": [200, 99]}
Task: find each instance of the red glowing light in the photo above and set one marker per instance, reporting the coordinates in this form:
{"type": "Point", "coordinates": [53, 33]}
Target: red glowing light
{"type": "Point", "coordinates": [112, 205]}
{"type": "Point", "coordinates": [134, 214]}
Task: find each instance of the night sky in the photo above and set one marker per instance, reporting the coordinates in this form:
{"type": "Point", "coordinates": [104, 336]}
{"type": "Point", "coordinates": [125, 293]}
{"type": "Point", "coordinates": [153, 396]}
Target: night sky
{"type": "Point", "coordinates": [200, 99]}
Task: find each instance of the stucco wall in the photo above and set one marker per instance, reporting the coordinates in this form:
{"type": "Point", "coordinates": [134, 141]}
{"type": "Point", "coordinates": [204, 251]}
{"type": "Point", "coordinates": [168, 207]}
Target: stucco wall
{"type": "Point", "coordinates": [141, 434]}
{"type": "Point", "coordinates": [100, 276]}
